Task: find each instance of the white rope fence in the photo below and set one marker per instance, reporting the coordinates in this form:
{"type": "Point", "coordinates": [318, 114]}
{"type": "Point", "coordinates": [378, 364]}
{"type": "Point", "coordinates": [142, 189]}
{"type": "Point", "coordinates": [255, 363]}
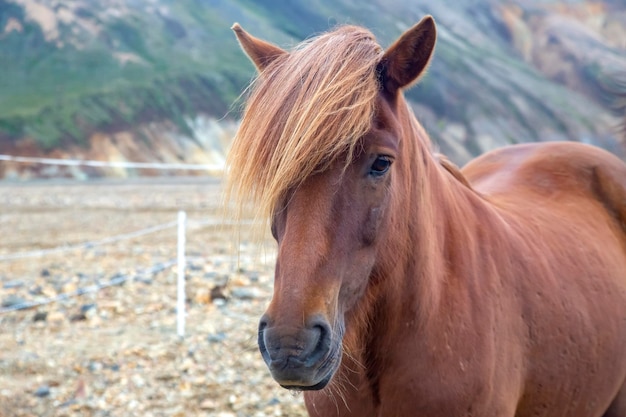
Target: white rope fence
{"type": "Point", "coordinates": [87, 245]}
{"type": "Point", "coordinates": [117, 280]}
{"type": "Point", "coordinates": [181, 222]}
{"type": "Point", "coordinates": [182, 226]}
{"type": "Point", "coordinates": [120, 279]}
{"type": "Point", "coordinates": [113, 164]}
{"type": "Point", "coordinates": [112, 239]}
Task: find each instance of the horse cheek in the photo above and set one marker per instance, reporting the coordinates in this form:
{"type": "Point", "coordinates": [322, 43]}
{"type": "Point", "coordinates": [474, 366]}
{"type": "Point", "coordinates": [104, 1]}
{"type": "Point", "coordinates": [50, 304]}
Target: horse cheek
{"type": "Point", "coordinates": [373, 222]}
{"type": "Point", "coordinates": [371, 226]}
{"type": "Point", "coordinates": [362, 261]}
{"type": "Point", "coordinates": [354, 282]}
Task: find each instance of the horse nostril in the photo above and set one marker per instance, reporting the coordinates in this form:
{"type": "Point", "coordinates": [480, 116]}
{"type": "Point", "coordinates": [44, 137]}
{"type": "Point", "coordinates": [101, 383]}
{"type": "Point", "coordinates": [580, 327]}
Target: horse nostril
{"type": "Point", "coordinates": [323, 344]}
{"type": "Point", "coordinates": [263, 324]}
{"type": "Point", "coordinates": [261, 339]}
{"type": "Point", "coordinates": [321, 324]}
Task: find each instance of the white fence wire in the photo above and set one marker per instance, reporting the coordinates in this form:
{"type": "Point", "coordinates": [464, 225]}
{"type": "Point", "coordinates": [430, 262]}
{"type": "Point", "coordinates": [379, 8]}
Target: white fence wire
{"type": "Point", "coordinates": [111, 239]}
{"type": "Point", "coordinates": [181, 222]}
{"type": "Point", "coordinates": [113, 164]}
{"type": "Point", "coordinates": [87, 245]}
{"type": "Point", "coordinates": [116, 280]}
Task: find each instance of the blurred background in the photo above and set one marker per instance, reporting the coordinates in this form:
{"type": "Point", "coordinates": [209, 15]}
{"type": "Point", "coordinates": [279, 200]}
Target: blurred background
{"type": "Point", "coordinates": [159, 80]}
{"type": "Point", "coordinates": [88, 251]}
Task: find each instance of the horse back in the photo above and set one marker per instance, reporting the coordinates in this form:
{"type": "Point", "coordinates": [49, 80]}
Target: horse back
{"type": "Point", "coordinates": [552, 170]}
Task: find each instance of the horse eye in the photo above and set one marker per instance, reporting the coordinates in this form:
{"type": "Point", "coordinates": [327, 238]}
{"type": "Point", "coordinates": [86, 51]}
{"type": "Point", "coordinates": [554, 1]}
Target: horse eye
{"type": "Point", "coordinates": [380, 166]}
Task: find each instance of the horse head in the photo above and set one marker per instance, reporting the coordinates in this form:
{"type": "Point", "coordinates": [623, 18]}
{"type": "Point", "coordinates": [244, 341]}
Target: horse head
{"type": "Point", "coordinates": [321, 149]}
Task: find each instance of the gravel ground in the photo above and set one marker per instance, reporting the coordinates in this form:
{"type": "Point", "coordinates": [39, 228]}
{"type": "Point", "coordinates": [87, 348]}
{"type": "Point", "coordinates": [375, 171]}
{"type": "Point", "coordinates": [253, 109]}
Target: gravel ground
{"type": "Point", "coordinates": [115, 352]}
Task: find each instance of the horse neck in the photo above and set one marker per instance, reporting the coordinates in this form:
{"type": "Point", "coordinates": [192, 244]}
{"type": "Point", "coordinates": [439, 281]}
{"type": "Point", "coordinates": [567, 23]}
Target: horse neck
{"type": "Point", "coordinates": [432, 213]}
{"type": "Point", "coordinates": [432, 210]}
{"type": "Point", "coordinates": [407, 290]}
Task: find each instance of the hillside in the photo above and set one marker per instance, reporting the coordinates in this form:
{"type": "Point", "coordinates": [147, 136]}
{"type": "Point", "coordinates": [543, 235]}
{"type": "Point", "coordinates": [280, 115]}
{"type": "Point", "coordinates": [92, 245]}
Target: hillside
{"type": "Point", "coordinates": [123, 79]}
{"type": "Point", "coordinates": [73, 67]}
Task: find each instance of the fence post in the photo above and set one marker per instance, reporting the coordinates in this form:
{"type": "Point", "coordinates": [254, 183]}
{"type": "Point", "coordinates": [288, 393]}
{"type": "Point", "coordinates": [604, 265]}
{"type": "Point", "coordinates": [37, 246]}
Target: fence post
{"type": "Point", "coordinates": [180, 300]}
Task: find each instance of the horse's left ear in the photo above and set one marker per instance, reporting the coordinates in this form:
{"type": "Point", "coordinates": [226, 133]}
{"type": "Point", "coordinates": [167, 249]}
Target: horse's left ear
{"type": "Point", "coordinates": [407, 59]}
{"type": "Point", "coordinates": [261, 53]}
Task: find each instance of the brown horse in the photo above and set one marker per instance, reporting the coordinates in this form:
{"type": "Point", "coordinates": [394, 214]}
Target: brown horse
{"type": "Point", "coordinates": [405, 287]}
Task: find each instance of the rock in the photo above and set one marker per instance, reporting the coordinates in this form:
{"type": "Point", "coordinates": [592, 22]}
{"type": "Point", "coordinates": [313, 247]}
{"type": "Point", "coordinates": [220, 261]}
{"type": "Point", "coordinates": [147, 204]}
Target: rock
{"type": "Point", "coordinates": [208, 405]}
{"type": "Point", "coordinates": [35, 290]}
{"type": "Point", "coordinates": [42, 391]}
{"type": "Point", "coordinates": [13, 284]}
{"type": "Point", "coordinates": [210, 275]}
{"type": "Point", "coordinates": [87, 307]}
{"type": "Point", "coordinates": [40, 316]}
{"type": "Point", "coordinates": [216, 337]}
{"type": "Point", "coordinates": [131, 357]}
{"type": "Point", "coordinates": [56, 317]}
{"type": "Point", "coordinates": [195, 267]}
{"type": "Point", "coordinates": [218, 293]}
{"type": "Point", "coordinates": [219, 302]}
{"type": "Point", "coordinates": [78, 317]}
{"type": "Point", "coordinates": [202, 296]}
{"type": "Point", "coordinates": [246, 293]}
{"type": "Point", "coordinates": [144, 279]}
{"type": "Point", "coordinates": [12, 301]}
{"type": "Point", "coordinates": [138, 381]}
{"type": "Point", "coordinates": [95, 366]}
{"type": "Point", "coordinates": [166, 376]}
{"type": "Point", "coordinates": [273, 401]}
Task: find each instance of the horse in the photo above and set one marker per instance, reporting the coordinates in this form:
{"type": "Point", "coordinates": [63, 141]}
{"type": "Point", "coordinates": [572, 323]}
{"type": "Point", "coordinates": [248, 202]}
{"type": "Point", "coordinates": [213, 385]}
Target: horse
{"type": "Point", "coordinates": [405, 286]}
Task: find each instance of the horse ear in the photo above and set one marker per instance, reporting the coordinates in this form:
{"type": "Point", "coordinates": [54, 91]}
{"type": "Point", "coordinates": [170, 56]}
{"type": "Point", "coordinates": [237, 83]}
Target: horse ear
{"type": "Point", "coordinates": [261, 53]}
{"type": "Point", "coordinates": [407, 59]}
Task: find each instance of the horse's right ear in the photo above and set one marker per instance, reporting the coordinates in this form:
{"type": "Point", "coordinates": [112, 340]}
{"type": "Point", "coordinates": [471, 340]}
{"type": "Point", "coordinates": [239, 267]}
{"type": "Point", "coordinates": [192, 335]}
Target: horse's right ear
{"type": "Point", "coordinates": [261, 53]}
{"type": "Point", "coordinates": [407, 59]}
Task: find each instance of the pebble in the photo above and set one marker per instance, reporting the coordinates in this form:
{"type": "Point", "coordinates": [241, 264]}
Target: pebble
{"type": "Point", "coordinates": [40, 316]}
{"type": "Point", "coordinates": [138, 381]}
{"type": "Point", "coordinates": [216, 337]}
{"type": "Point", "coordinates": [126, 354]}
{"type": "Point", "coordinates": [56, 317]}
{"type": "Point", "coordinates": [144, 279]}
{"type": "Point", "coordinates": [13, 284]}
{"type": "Point", "coordinates": [36, 290]}
{"type": "Point", "coordinates": [42, 391]}
{"type": "Point", "coordinates": [12, 300]}
{"type": "Point", "coordinates": [219, 302]}
{"type": "Point", "coordinates": [78, 317]}
{"type": "Point", "coordinates": [208, 405]}
{"type": "Point", "coordinates": [246, 293]}
{"type": "Point", "coordinates": [87, 307]}
{"type": "Point", "coordinates": [195, 267]}
{"type": "Point", "coordinates": [219, 292]}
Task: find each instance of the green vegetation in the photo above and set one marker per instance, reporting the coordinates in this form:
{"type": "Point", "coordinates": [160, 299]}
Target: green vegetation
{"type": "Point", "coordinates": [140, 67]}
{"type": "Point", "coordinates": [112, 69]}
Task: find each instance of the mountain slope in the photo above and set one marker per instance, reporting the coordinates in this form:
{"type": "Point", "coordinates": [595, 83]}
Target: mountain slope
{"type": "Point", "coordinates": [503, 72]}
{"type": "Point", "coordinates": [74, 67]}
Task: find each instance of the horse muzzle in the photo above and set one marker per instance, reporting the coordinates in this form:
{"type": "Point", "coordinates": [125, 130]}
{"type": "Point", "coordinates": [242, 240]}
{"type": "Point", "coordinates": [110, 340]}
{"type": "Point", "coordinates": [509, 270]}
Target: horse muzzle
{"type": "Point", "coordinates": [299, 358]}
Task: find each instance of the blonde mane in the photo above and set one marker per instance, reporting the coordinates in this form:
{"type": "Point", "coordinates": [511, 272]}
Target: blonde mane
{"type": "Point", "coordinates": [305, 110]}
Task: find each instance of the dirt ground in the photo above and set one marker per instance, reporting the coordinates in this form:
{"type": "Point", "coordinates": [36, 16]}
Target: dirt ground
{"type": "Point", "coordinates": [115, 352]}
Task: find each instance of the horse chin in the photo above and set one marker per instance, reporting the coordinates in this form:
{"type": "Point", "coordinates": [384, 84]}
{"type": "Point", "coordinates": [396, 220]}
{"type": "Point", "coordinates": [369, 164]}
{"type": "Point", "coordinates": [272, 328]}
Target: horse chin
{"type": "Point", "coordinates": [320, 385]}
